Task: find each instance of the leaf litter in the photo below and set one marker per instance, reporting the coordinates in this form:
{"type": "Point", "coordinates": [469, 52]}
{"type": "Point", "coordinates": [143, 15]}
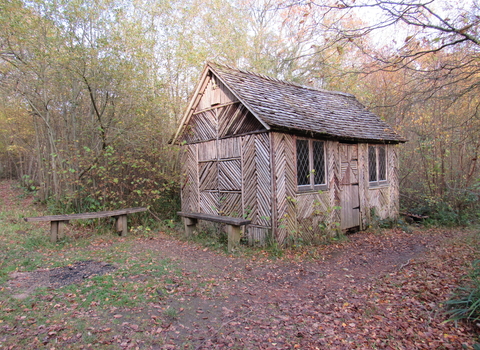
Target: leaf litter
{"type": "Point", "coordinates": [380, 291]}
{"type": "Point", "coordinates": [373, 291]}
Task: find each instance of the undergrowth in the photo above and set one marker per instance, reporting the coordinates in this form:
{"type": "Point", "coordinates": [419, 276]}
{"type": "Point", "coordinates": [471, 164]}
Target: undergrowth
{"type": "Point", "coordinates": [465, 303]}
{"type": "Point", "coordinates": [446, 212]}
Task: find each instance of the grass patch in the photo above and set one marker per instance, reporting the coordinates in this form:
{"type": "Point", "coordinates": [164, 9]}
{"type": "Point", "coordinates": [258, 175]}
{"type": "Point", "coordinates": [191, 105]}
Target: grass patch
{"type": "Point", "coordinates": [83, 314]}
{"type": "Point", "coordinates": [465, 304]}
{"type": "Point", "coordinates": [170, 313]}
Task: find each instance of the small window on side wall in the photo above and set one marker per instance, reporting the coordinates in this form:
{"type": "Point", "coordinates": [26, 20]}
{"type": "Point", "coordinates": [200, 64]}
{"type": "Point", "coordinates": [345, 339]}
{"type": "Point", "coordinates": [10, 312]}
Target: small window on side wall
{"type": "Point", "coordinates": [377, 165]}
{"type": "Point", "coordinates": [311, 172]}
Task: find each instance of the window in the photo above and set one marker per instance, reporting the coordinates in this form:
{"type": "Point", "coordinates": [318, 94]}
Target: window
{"type": "Point", "coordinates": [310, 164]}
{"type": "Point", "coordinates": [377, 165]}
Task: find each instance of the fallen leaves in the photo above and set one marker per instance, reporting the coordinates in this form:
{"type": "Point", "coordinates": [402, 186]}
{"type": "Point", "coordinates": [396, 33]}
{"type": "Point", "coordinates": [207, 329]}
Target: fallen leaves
{"type": "Point", "coordinates": [380, 291]}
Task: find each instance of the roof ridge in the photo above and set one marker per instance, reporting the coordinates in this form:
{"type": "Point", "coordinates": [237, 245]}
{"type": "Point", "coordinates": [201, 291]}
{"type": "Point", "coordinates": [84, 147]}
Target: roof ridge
{"type": "Point", "coordinates": [266, 77]}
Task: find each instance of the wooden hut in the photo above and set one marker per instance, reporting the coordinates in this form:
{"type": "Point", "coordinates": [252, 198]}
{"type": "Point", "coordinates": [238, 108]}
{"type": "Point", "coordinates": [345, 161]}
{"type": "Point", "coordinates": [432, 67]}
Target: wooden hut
{"type": "Point", "coordinates": [299, 162]}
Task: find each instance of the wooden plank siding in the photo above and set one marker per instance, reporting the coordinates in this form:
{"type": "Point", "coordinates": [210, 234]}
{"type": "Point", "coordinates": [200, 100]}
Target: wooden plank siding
{"type": "Point", "coordinates": [207, 151]}
{"type": "Point", "coordinates": [235, 119]}
{"type": "Point", "coordinates": [384, 199]}
{"type": "Point", "coordinates": [363, 185]}
{"type": "Point", "coordinates": [334, 169]}
{"type": "Point", "coordinates": [286, 186]}
{"type": "Point", "coordinates": [313, 213]}
{"type": "Point", "coordinates": [257, 185]}
{"type": "Point", "coordinates": [214, 93]}
{"type": "Point", "coordinates": [190, 188]}
{"type": "Point", "coordinates": [393, 181]}
{"type": "Point", "coordinates": [201, 128]}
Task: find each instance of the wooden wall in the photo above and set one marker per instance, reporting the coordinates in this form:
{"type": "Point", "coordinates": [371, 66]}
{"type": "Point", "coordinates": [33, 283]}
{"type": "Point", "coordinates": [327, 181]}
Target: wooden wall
{"type": "Point", "coordinates": [231, 177]}
{"type": "Point", "coordinates": [385, 199]}
{"type": "Point", "coordinates": [189, 188]}
{"type": "Point", "coordinates": [363, 185]}
{"type": "Point", "coordinates": [257, 186]}
{"type": "Point", "coordinates": [303, 217]}
{"type": "Point", "coordinates": [234, 177]}
{"type": "Point", "coordinates": [314, 216]}
{"type": "Point", "coordinates": [285, 186]}
{"type": "Point", "coordinates": [226, 162]}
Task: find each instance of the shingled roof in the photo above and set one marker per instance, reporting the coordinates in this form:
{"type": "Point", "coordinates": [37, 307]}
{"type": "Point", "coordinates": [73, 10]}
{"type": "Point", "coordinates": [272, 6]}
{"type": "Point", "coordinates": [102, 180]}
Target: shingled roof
{"type": "Point", "coordinates": [290, 107]}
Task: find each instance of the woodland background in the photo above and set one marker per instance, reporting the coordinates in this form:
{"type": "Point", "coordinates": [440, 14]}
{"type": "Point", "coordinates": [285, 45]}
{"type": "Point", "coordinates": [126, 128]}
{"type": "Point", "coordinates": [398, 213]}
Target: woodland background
{"type": "Point", "coordinates": [91, 91]}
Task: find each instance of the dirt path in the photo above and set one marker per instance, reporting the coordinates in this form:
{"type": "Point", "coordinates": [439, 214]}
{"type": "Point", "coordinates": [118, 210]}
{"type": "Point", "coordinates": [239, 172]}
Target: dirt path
{"type": "Point", "coordinates": [357, 295]}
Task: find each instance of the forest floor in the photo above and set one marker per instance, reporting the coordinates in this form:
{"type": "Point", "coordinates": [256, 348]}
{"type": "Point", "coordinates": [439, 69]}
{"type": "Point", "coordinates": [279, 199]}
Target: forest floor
{"type": "Point", "coordinates": [381, 289]}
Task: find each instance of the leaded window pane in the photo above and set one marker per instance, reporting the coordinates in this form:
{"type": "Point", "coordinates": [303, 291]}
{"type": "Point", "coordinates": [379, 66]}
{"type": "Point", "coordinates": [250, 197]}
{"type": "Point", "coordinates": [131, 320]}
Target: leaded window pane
{"type": "Point", "coordinates": [382, 164]}
{"type": "Point", "coordinates": [372, 164]}
{"type": "Point", "coordinates": [318, 162]}
{"type": "Point", "coordinates": [302, 163]}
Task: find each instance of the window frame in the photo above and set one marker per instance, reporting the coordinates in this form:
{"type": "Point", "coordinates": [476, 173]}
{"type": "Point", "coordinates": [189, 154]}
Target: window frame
{"type": "Point", "coordinates": [378, 182]}
{"type": "Point", "coordinates": [311, 161]}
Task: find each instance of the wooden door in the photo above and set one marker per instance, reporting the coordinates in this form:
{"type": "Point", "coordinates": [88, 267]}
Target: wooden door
{"type": "Point", "coordinates": [349, 190]}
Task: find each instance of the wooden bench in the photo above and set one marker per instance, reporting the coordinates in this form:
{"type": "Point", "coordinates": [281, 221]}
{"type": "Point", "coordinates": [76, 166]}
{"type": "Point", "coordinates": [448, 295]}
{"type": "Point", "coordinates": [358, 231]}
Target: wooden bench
{"type": "Point", "coordinates": [57, 221]}
{"type": "Point", "coordinates": [233, 225]}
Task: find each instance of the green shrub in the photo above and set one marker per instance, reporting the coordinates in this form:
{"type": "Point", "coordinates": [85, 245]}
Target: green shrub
{"type": "Point", "coordinates": [465, 304]}
{"type": "Point", "coordinates": [451, 209]}
{"type": "Point", "coordinates": [122, 177]}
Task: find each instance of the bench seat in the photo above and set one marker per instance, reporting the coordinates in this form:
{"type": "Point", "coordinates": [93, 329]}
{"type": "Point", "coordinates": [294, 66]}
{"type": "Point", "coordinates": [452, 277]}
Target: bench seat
{"type": "Point", "coordinates": [57, 221]}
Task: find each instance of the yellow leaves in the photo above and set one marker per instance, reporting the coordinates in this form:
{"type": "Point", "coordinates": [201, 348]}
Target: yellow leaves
{"type": "Point", "coordinates": [16, 149]}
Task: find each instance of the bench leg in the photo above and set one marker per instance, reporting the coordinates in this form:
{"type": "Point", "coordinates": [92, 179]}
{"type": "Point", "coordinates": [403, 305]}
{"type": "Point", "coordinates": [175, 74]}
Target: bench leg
{"type": "Point", "coordinates": [234, 234]}
{"type": "Point", "coordinates": [121, 224]}
{"type": "Point", "coordinates": [61, 229]}
{"type": "Point", "coordinates": [190, 226]}
{"type": "Point", "coordinates": [57, 230]}
{"type": "Point", "coordinates": [53, 231]}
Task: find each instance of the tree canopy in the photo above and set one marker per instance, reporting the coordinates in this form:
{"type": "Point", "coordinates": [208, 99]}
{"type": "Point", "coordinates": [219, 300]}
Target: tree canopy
{"type": "Point", "coordinates": [91, 92]}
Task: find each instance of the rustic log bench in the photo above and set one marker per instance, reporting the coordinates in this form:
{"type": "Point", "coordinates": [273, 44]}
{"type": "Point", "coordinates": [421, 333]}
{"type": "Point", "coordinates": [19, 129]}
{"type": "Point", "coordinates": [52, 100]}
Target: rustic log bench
{"type": "Point", "coordinates": [233, 225]}
{"type": "Point", "coordinates": [57, 221]}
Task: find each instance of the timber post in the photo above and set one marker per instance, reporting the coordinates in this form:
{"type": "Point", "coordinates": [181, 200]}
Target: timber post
{"type": "Point", "coordinates": [234, 235]}
{"type": "Point", "coordinates": [121, 224]}
{"type": "Point", "coordinates": [53, 231]}
{"type": "Point", "coordinates": [190, 226]}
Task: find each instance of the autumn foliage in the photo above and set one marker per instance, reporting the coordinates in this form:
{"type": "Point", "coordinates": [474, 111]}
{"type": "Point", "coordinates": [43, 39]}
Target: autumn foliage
{"type": "Point", "coordinates": [90, 95]}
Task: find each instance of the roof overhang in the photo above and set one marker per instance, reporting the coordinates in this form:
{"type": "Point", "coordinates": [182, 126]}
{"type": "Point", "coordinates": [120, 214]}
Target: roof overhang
{"type": "Point", "coordinates": [325, 136]}
{"type": "Point", "coordinates": [201, 85]}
